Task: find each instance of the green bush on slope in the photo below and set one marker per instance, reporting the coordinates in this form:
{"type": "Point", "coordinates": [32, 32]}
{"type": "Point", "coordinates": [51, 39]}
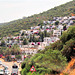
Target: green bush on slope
{"type": "Point", "coordinates": [51, 60]}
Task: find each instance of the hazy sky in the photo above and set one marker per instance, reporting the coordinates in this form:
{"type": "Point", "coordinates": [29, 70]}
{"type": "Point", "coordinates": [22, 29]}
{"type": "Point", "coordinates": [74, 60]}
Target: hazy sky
{"type": "Point", "coordinates": [16, 9]}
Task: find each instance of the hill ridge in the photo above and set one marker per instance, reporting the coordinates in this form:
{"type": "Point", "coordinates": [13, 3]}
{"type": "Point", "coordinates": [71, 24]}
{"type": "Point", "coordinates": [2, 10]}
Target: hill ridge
{"type": "Point", "coordinates": [14, 27]}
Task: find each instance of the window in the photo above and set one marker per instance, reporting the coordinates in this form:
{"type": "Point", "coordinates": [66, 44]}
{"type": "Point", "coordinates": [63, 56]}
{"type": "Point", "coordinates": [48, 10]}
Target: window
{"type": "Point", "coordinates": [14, 66]}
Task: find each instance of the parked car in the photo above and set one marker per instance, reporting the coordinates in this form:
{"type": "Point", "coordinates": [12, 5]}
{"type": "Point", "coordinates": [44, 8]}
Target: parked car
{"type": "Point", "coordinates": [3, 65]}
{"type": "Point", "coordinates": [0, 62]}
{"type": "Point", "coordinates": [6, 67]}
{"type": "Point", "coordinates": [1, 72]}
{"type": "Point", "coordinates": [14, 70]}
{"type": "Point", "coordinates": [7, 72]}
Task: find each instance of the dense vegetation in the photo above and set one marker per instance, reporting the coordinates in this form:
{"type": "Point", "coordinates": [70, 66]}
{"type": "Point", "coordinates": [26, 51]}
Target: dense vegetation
{"type": "Point", "coordinates": [48, 62]}
{"type": "Point", "coordinates": [54, 57]}
{"type": "Point", "coordinates": [11, 50]}
{"type": "Point", "coordinates": [8, 51]}
{"type": "Point", "coordinates": [66, 43]}
{"type": "Point", "coordinates": [14, 27]}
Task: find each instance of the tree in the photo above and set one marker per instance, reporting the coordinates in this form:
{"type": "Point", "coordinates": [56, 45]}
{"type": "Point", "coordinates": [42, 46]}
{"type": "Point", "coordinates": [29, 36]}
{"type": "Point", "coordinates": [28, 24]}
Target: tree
{"type": "Point", "coordinates": [1, 51]}
{"type": "Point", "coordinates": [34, 39]}
{"type": "Point", "coordinates": [41, 26]}
{"type": "Point", "coordinates": [25, 41]}
{"type": "Point", "coordinates": [18, 56]}
{"type": "Point", "coordinates": [68, 39]}
{"type": "Point", "coordinates": [64, 27]}
{"type": "Point", "coordinates": [64, 37]}
{"type": "Point", "coordinates": [41, 34]}
{"type": "Point", "coordinates": [30, 40]}
{"type": "Point", "coordinates": [15, 50]}
{"type": "Point", "coordinates": [68, 50]}
{"type": "Point", "coordinates": [45, 32]}
{"type": "Point", "coordinates": [24, 71]}
{"type": "Point", "coordinates": [57, 45]}
{"type": "Point", "coordinates": [8, 58]}
{"type": "Point", "coordinates": [8, 40]}
{"type": "Point", "coordinates": [22, 34]}
{"type": "Point", "coordinates": [57, 22]}
{"type": "Point", "coordinates": [69, 34]}
{"type": "Point", "coordinates": [42, 37]}
{"type": "Point", "coordinates": [2, 43]}
{"type": "Point", "coordinates": [74, 21]}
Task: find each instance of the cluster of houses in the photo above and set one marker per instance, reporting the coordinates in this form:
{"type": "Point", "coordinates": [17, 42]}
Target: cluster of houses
{"type": "Point", "coordinates": [62, 20]}
{"type": "Point", "coordinates": [49, 26]}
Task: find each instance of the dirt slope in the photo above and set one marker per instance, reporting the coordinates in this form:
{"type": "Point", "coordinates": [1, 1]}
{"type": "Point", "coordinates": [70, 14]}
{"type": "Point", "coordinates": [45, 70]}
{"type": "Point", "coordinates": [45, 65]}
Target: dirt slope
{"type": "Point", "coordinates": [70, 69]}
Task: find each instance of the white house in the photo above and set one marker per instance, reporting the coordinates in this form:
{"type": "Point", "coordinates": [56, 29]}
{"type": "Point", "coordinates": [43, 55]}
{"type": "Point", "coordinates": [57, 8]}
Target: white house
{"type": "Point", "coordinates": [49, 40]}
{"type": "Point", "coordinates": [22, 31]}
{"type": "Point", "coordinates": [29, 51]}
{"type": "Point", "coordinates": [53, 26]}
{"type": "Point", "coordinates": [57, 33]}
{"type": "Point", "coordinates": [37, 27]}
{"type": "Point", "coordinates": [35, 31]}
{"type": "Point", "coordinates": [65, 17]}
{"type": "Point", "coordinates": [60, 27]}
{"type": "Point", "coordinates": [73, 17]}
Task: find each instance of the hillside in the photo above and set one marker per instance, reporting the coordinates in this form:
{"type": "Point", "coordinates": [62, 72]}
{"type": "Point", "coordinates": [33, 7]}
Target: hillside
{"type": "Point", "coordinates": [14, 27]}
{"type": "Point", "coordinates": [54, 58]}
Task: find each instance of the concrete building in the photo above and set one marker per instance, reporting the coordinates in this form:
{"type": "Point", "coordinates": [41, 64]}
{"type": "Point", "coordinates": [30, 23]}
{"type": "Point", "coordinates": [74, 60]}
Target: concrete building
{"type": "Point", "coordinates": [56, 33]}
